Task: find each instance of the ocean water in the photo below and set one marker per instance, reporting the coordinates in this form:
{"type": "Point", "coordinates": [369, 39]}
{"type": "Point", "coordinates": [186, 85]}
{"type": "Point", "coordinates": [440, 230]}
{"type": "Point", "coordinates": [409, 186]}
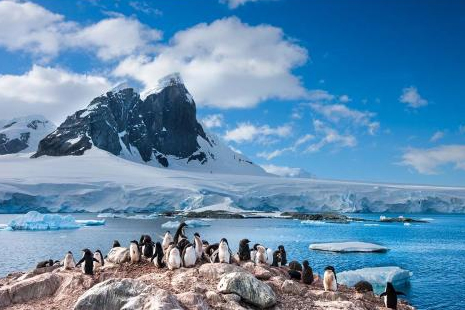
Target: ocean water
{"type": "Point", "coordinates": [434, 252]}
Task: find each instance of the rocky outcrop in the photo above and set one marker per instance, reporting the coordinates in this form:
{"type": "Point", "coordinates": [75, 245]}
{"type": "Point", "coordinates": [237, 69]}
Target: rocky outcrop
{"type": "Point", "coordinates": [118, 255]}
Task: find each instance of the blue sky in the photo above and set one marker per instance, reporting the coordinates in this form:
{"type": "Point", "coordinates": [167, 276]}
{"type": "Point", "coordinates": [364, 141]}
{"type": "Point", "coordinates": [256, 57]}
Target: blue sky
{"type": "Point", "coordinates": [358, 90]}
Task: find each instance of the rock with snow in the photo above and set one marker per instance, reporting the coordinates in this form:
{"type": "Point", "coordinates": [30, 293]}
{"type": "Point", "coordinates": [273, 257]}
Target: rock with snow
{"type": "Point", "coordinates": [22, 134]}
{"type": "Point", "coordinates": [160, 130]}
{"type": "Point", "coordinates": [36, 221]}
{"type": "Point", "coordinates": [348, 247]}
{"type": "Point", "coordinates": [118, 255]}
{"type": "Point", "coordinates": [377, 276]}
{"type": "Point", "coordinates": [249, 288]}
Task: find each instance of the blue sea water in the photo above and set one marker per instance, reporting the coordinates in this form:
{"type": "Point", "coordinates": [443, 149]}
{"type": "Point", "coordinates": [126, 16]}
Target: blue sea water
{"type": "Point", "coordinates": [434, 252]}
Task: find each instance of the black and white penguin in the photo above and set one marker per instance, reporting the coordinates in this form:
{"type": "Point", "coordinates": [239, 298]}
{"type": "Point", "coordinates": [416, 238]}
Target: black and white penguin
{"type": "Point", "coordinates": [330, 279]}
{"type": "Point", "coordinates": [269, 256]}
{"type": "Point", "coordinates": [390, 296]}
{"type": "Point", "coordinates": [295, 265]}
{"type": "Point", "coordinates": [45, 263]}
{"type": "Point", "coordinates": [116, 244]}
{"type": "Point", "coordinates": [68, 262]}
{"type": "Point", "coordinates": [88, 260]}
{"type": "Point", "coordinates": [244, 250]}
{"type": "Point", "coordinates": [167, 239]}
{"type": "Point", "coordinates": [100, 260]}
{"type": "Point", "coordinates": [147, 246]}
{"type": "Point", "coordinates": [283, 255]}
{"type": "Point", "coordinates": [294, 274]}
{"type": "Point", "coordinates": [212, 252]}
{"type": "Point", "coordinates": [189, 256]}
{"type": "Point", "coordinates": [253, 252]}
{"type": "Point", "coordinates": [180, 233]}
{"type": "Point", "coordinates": [173, 257]}
{"type": "Point", "coordinates": [134, 251]}
{"type": "Point", "coordinates": [224, 253]}
{"type": "Point", "coordinates": [276, 259]}
{"type": "Point", "coordinates": [158, 262]}
{"type": "Point", "coordinates": [261, 257]}
{"type": "Point", "coordinates": [307, 273]}
{"type": "Point", "coordinates": [198, 244]}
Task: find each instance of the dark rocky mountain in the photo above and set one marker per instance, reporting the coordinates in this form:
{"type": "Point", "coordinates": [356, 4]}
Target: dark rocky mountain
{"type": "Point", "coordinates": [161, 128]}
{"type": "Point", "coordinates": [23, 134]}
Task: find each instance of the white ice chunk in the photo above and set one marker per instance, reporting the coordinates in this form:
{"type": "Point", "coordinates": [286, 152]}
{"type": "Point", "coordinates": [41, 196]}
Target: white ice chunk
{"type": "Point", "coordinates": [377, 276]}
{"type": "Point", "coordinates": [348, 247]}
{"type": "Point", "coordinates": [190, 223]}
{"type": "Point", "coordinates": [91, 222]}
{"type": "Point", "coordinates": [170, 224]}
{"type": "Point", "coordinates": [36, 221]}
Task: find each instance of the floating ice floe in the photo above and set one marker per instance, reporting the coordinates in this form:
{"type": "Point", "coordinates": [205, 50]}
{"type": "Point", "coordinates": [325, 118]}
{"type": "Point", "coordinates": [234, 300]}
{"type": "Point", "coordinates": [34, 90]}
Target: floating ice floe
{"type": "Point", "coordinates": [348, 247]}
{"type": "Point", "coordinates": [407, 224]}
{"type": "Point", "coordinates": [371, 224]}
{"type": "Point", "coordinates": [5, 227]}
{"type": "Point", "coordinates": [36, 221]}
{"type": "Point", "coordinates": [311, 222]}
{"type": "Point", "coordinates": [377, 276]}
{"type": "Point", "coordinates": [91, 222]}
{"type": "Point", "coordinates": [190, 223]}
{"type": "Point", "coordinates": [127, 216]}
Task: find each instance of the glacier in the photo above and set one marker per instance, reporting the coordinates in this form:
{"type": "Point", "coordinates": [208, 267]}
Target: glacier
{"type": "Point", "coordinates": [99, 181]}
{"type": "Point", "coordinates": [377, 276]}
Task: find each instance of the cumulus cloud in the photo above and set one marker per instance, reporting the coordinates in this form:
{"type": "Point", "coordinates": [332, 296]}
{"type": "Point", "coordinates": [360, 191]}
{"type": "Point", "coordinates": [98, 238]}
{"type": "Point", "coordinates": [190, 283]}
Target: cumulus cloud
{"type": "Point", "coordinates": [234, 4]}
{"type": "Point", "coordinates": [25, 26]}
{"type": "Point", "coordinates": [427, 161]}
{"type": "Point", "coordinates": [225, 64]}
{"type": "Point", "coordinates": [412, 98]}
{"type": "Point", "coordinates": [213, 121]}
{"type": "Point", "coordinates": [438, 135]}
{"type": "Point", "coordinates": [329, 136]}
{"type": "Point", "coordinates": [246, 132]}
{"type": "Point", "coordinates": [284, 171]}
{"type": "Point", "coordinates": [52, 92]}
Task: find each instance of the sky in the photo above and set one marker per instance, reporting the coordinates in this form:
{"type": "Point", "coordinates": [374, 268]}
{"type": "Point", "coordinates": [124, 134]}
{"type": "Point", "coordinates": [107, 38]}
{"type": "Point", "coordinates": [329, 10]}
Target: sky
{"type": "Point", "coordinates": [352, 90]}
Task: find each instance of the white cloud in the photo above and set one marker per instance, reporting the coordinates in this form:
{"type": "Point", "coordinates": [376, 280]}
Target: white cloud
{"type": "Point", "coordinates": [412, 98]}
{"type": "Point", "coordinates": [285, 171]}
{"type": "Point", "coordinates": [145, 7]}
{"type": "Point", "coordinates": [304, 139]}
{"type": "Point", "coordinates": [337, 112]}
{"type": "Point", "coordinates": [344, 99]}
{"type": "Point", "coordinates": [52, 92]}
{"type": "Point", "coordinates": [329, 136]}
{"type": "Point", "coordinates": [246, 132]}
{"type": "Point", "coordinates": [226, 64]}
{"type": "Point", "coordinates": [275, 153]}
{"type": "Point", "coordinates": [213, 121]}
{"type": "Point", "coordinates": [319, 95]}
{"type": "Point", "coordinates": [25, 26]}
{"type": "Point", "coordinates": [438, 135]}
{"type": "Point", "coordinates": [426, 161]}
{"type": "Point", "coordinates": [234, 4]}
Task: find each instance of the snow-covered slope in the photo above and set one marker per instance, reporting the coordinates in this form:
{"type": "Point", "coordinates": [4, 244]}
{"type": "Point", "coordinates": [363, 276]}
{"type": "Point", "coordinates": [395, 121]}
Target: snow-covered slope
{"type": "Point", "coordinates": [99, 181]}
{"type": "Point", "coordinates": [22, 134]}
{"type": "Point", "coordinates": [288, 172]}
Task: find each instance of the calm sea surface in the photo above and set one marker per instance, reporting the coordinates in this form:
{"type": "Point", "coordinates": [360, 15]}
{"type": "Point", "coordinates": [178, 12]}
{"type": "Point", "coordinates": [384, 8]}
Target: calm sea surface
{"type": "Point", "coordinates": [434, 252]}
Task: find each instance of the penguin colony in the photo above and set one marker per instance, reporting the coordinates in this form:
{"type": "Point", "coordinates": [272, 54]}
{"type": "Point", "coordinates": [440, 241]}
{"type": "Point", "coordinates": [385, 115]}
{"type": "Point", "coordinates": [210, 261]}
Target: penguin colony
{"type": "Point", "coordinates": [176, 252]}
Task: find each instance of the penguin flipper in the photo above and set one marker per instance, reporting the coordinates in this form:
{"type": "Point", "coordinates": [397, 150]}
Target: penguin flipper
{"type": "Point", "coordinates": [80, 262]}
{"type": "Point", "coordinates": [383, 294]}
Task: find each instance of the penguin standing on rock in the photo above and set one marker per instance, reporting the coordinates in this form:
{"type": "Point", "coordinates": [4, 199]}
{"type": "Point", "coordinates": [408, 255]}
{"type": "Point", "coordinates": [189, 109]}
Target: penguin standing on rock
{"type": "Point", "coordinates": [68, 262]}
{"type": "Point", "coordinates": [134, 251]}
{"type": "Point", "coordinates": [330, 279]}
{"type": "Point", "coordinates": [307, 273]}
{"type": "Point", "coordinates": [224, 253]}
{"type": "Point", "coordinates": [174, 257]}
{"type": "Point", "coordinates": [244, 250]}
{"type": "Point", "coordinates": [198, 246]}
{"type": "Point", "coordinates": [212, 252]}
{"type": "Point", "coordinates": [147, 246]}
{"type": "Point", "coordinates": [180, 233]}
{"type": "Point", "coordinates": [167, 239]}
{"type": "Point", "coordinates": [295, 265]}
{"type": "Point", "coordinates": [390, 296]}
{"type": "Point", "coordinates": [158, 262]}
{"type": "Point", "coordinates": [294, 274]}
{"type": "Point", "coordinates": [253, 252]}
{"type": "Point", "coordinates": [261, 256]}
{"type": "Point", "coordinates": [88, 259]}
{"type": "Point", "coordinates": [282, 255]}
{"type": "Point", "coordinates": [269, 256]}
{"type": "Point", "coordinates": [189, 256]}
{"type": "Point", "coordinates": [100, 261]}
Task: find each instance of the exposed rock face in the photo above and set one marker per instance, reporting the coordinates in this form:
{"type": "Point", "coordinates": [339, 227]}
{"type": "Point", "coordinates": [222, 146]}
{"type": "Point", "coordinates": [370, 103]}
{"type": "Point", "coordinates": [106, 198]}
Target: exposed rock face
{"type": "Point", "coordinates": [23, 134]}
{"type": "Point", "coordinates": [161, 128]}
{"type": "Point", "coordinates": [248, 288]}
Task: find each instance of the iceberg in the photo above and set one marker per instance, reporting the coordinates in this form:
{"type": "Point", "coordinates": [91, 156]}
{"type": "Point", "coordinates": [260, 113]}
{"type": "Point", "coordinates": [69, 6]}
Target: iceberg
{"type": "Point", "coordinates": [171, 224]}
{"type": "Point", "coordinates": [348, 247]}
{"type": "Point", "coordinates": [91, 222]}
{"type": "Point", "coordinates": [36, 221]}
{"type": "Point", "coordinates": [190, 223]}
{"type": "Point", "coordinates": [127, 216]}
{"type": "Point", "coordinates": [377, 276]}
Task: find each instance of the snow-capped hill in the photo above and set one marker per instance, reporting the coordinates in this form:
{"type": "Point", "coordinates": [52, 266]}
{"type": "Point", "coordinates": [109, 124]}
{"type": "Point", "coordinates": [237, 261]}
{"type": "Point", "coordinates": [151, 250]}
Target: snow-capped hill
{"type": "Point", "coordinates": [173, 79]}
{"type": "Point", "coordinates": [288, 172]}
{"type": "Point", "coordinates": [23, 134]}
{"type": "Point", "coordinates": [160, 130]}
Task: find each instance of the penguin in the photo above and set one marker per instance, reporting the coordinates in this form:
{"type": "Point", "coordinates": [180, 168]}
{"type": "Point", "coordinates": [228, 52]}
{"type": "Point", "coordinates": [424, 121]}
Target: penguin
{"type": "Point", "coordinates": [189, 256]}
{"type": "Point", "coordinates": [134, 251]}
{"type": "Point", "coordinates": [253, 252]}
{"type": "Point", "coordinates": [69, 263]}
{"type": "Point", "coordinates": [244, 250]}
{"type": "Point", "coordinates": [276, 259]}
{"type": "Point", "coordinates": [269, 256]}
{"type": "Point", "coordinates": [330, 279]}
{"type": "Point", "coordinates": [261, 256]}
{"type": "Point", "coordinates": [198, 246]}
{"type": "Point", "coordinates": [205, 245]}
{"type": "Point", "coordinates": [116, 244]}
{"type": "Point", "coordinates": [224, 254]}
{"type": "Point", "coordinates": [174, 257]}
{"type": "Point", "coordinates": [295, 265]}
{"type": "Point", "coordinates": [159, 263]}
{"type": "Point", "coordinates": [390, 296]}
{"type": "Point", "coordinates": [88, 259]}
{"type": "Point", "coordinates": [100, 261]}
{"type": "Point", "coordinates": [147, 246]}
{"type": "Point", "coordinates": [283, 255]}
{"type": "Point", "coordinates": [180, 233]}
{"type": "Point", "coordinates": [294, 274]}
{"type": "Point", "coordinates": [210, 249]}
{"type": "Point", "coordinates": [45, 263]}
{"type": "Point", "coordinates": [307, 273]}
{"type": "Point", "coordinates": [167, 239]}
{"type": "Point", "coordinates": [183, 242]}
